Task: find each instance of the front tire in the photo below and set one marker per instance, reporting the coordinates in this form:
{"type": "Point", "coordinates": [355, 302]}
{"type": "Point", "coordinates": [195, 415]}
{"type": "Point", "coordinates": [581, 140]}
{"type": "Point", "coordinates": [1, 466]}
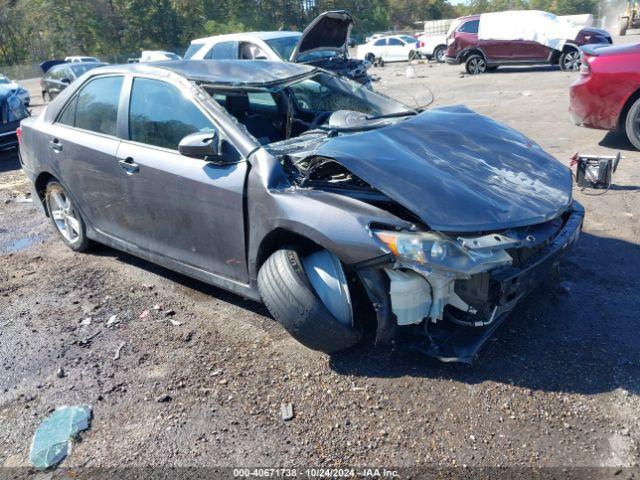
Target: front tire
{"type": "Point", "coordinates": [570, 61]}
{"type": "Point", "coordinates": [65, 217]}
{"type": "Point", "coordinates": [288, 294]}
{"type": "Point", "coordinates": [475, 65]}
{"type": "Point", "coordinates": [632, 124]}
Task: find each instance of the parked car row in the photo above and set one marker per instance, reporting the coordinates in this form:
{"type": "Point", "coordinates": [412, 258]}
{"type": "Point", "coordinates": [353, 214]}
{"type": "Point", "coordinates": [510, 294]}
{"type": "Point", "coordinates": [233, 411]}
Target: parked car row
{"type": "Point", "coordinates": [324, 44]}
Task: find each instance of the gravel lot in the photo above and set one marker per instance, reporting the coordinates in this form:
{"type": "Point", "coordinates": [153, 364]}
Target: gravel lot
{"type": "Point", "coordinates": [557, 386]}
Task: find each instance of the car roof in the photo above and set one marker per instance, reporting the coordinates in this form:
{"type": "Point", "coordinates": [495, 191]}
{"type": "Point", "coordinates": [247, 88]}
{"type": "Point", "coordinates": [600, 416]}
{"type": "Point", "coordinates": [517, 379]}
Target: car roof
{"type": "Point", "coordinates": [469, 17]}
{"type": "Point", "coordinates": [224, 72]}
{"type": "Point", "coordinates": [259, 35]}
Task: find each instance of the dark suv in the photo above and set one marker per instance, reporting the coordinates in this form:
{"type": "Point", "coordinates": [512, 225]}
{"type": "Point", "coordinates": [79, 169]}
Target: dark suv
{"type": "Point", "coordinates": [481, 55]}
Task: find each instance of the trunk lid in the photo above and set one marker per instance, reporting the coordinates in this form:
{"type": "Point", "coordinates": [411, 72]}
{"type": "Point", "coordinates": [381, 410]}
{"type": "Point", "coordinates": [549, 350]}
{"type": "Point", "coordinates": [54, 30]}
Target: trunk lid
{"type": "Point", "coordinates": [458, 171]}
{"type": "Point", "coordinates": [329, 31]}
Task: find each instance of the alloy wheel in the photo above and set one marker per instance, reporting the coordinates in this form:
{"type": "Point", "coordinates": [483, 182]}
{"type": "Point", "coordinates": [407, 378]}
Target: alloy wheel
{"type": "Point", "coordinates": [477, 66]}
{"type": "Point", "coordinates": [440, 55]}
{"type": "Point", "coordinates": [572, 61]}
{"type": "Point", "coordinates": [64, 216]}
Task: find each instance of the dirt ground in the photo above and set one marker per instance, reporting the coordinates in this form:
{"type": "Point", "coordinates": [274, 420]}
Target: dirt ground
{"type": "Point", "coordinates": [558, 385]}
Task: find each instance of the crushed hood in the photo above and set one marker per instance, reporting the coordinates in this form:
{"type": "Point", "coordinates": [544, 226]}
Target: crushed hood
{"type": "Point", "coordinates": [458, 171]}
{"type": "Point", "coordinates": [328, 31]}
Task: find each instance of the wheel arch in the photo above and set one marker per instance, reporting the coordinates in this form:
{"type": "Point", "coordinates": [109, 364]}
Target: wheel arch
{"type": "Point", "coordinates": [278, 238]}
{"type": "Point", "coordinates": [465, 54]}
{"type": "Point", "coordinates": [625, 109]}
{"type": "Point", "coordinates": [42, 180]}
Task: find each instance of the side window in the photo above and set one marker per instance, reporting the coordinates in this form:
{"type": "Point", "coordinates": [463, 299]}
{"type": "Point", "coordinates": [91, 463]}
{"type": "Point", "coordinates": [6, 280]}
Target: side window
{"type": "Point", "coordinates": [160, 115]}
{"type": "Point", "coordinates": [250, 51]}
{"type": "Point", "coordinates": [223, 51]}
{"type": "Point", "coordinates": [68, 115]}
{"type": "Point", "coordinates": [470, 27]}
{"type": "Point", "coordinates": [55, 73]}
{"type": "Point", "coordinates": [395, 42]}
{"type": "Point", "coordinates": [96, 106]}
{"type": "Point", "coordinates": [380, 43]}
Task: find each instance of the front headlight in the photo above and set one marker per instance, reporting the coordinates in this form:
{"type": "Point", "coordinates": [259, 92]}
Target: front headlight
{"type": "Point", "coordinates": [440, 253]}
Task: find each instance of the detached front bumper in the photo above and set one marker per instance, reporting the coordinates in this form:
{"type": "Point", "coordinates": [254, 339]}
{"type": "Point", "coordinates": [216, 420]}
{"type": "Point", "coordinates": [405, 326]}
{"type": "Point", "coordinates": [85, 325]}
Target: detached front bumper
{"type": "Point", "coordinates": [454, 343]}
{"type": "Point", "coordinates": [449, 341]}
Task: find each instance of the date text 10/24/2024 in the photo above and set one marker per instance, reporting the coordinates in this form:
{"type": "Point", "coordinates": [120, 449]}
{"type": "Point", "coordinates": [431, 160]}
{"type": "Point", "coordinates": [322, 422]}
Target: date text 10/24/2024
{"type": "Point", "coordinates": [316, 472]}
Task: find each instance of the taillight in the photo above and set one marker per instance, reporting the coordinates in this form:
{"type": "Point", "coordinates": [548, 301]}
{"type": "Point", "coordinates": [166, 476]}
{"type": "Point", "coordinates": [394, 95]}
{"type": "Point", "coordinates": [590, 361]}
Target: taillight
{"type": "Point", "coordinates": [585, 68]}
{"type": "Point", "coordinates": [19, 134]}
{"type": "Point", "coordinates": [421, 44]}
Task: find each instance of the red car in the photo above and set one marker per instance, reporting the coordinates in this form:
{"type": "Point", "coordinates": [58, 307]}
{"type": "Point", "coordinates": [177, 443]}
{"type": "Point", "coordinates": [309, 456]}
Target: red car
{"type": "Point", "coordinates": [480, 55]}
{"type": "Point", "coordinates": [607, 94]}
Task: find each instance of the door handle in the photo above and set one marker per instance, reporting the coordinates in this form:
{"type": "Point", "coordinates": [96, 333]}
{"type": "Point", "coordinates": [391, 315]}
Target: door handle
{"type": "Point", "coordinates": [55, 145]}
{"type": "Point", "coordinates": [128, 165]}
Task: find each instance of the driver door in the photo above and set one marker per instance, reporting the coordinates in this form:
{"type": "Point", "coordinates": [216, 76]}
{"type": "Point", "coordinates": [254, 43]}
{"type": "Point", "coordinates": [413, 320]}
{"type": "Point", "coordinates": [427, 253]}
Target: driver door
{"type": "Point", "coordinates": [183, 208]}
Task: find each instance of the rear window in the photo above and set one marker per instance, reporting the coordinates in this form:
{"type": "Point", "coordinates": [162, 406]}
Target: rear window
{"type": "Point", "coordinates": [470, 26]}
{"type": "Point", "coordinates": [95, 107]}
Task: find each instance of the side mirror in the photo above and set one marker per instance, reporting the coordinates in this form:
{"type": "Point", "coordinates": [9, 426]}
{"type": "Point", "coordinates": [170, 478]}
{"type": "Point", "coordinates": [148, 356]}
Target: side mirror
{"type": "Point", "coordinates": [199, 145]}
{"type": "Point", "coordinates": [66, 80]}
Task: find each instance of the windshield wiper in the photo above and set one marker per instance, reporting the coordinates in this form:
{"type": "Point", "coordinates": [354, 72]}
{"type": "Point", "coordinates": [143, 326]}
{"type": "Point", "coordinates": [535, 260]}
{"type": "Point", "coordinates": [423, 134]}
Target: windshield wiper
{"type": "Point", "coordinates": [404, 113]}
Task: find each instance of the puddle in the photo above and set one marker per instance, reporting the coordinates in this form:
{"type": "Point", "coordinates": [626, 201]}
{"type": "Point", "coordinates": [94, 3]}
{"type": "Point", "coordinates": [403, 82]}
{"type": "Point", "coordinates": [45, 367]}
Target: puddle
{"type": "Point", "coordinates": [10, 245]}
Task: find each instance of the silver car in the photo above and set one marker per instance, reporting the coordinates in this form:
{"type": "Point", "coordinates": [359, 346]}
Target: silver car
{"type": "Point", "coordinates": [339, 208]}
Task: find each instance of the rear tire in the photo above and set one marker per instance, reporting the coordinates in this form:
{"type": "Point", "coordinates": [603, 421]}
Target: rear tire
{"type": "Point", "coordinates": [475, 65]}
{"type": "Point", "coordinates": [438, 54]}
{"type": "Point", "coordinates": [632, 124]}
{"type": "Point", "coordinates": [291, 299]}
{"type": "Point", "coordinates": [65, 217]}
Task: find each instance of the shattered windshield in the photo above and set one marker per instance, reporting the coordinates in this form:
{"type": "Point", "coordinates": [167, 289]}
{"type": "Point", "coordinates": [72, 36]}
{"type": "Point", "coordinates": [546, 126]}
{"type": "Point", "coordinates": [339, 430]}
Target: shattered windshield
{"type": "Point", "coordinates": [283, 46]}
{"type": "Point", "coordinates": [321, 101]}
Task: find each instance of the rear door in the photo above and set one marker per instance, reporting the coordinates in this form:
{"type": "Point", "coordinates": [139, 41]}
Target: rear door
{"type": "Point", "coordinates": [186, 209]}
{"type": "Point", "coordinates": [83, 144]}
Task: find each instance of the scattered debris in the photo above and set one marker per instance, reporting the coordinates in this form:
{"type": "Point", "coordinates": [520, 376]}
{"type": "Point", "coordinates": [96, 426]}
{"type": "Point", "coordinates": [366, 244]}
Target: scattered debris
{"type": "Point", "coordinates": [113, 319]}
{"type": "Point", "coordinates": [175, 323]}
{"type": "Point", "coordinates": [60, 372]}
{"type": "Point", "coordinates": [157, 307]}
{"type": "Point", "coordinates": [215, 373]}
{"type": "Point", "coordinates": [223, 381]}
{"type": "Point", "coordinates": [144, 314]}
{"type": "Point", "coordinates": [87, 340]}
{"type": "Point", "coordinates": [188, 336]}
{"type": "Point", "coordinates": [410, 72]}
{"type": "Point", "coordinates": [358, 389]}
{"type": "Point", "coordinates": [148, 286]}
{"type": "Point", "coordinates": [52, 440]}
{"type": "Point", "coordinates": [24, 200]}
{"type": "Point", "coordinates": [116, 356]}
{"type": "Point", "coordinates": [286, 411]}
{"type": "Point", "coordinates": [169, 313]}
{"type": "Point", "coordinates": [164, 398]}
{"type": "Point", "coordinates": [85, 321]}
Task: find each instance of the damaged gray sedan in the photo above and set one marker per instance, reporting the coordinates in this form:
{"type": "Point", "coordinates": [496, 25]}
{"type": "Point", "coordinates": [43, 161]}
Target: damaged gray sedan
{"type": "Point", "coordinates": [341, 209]}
